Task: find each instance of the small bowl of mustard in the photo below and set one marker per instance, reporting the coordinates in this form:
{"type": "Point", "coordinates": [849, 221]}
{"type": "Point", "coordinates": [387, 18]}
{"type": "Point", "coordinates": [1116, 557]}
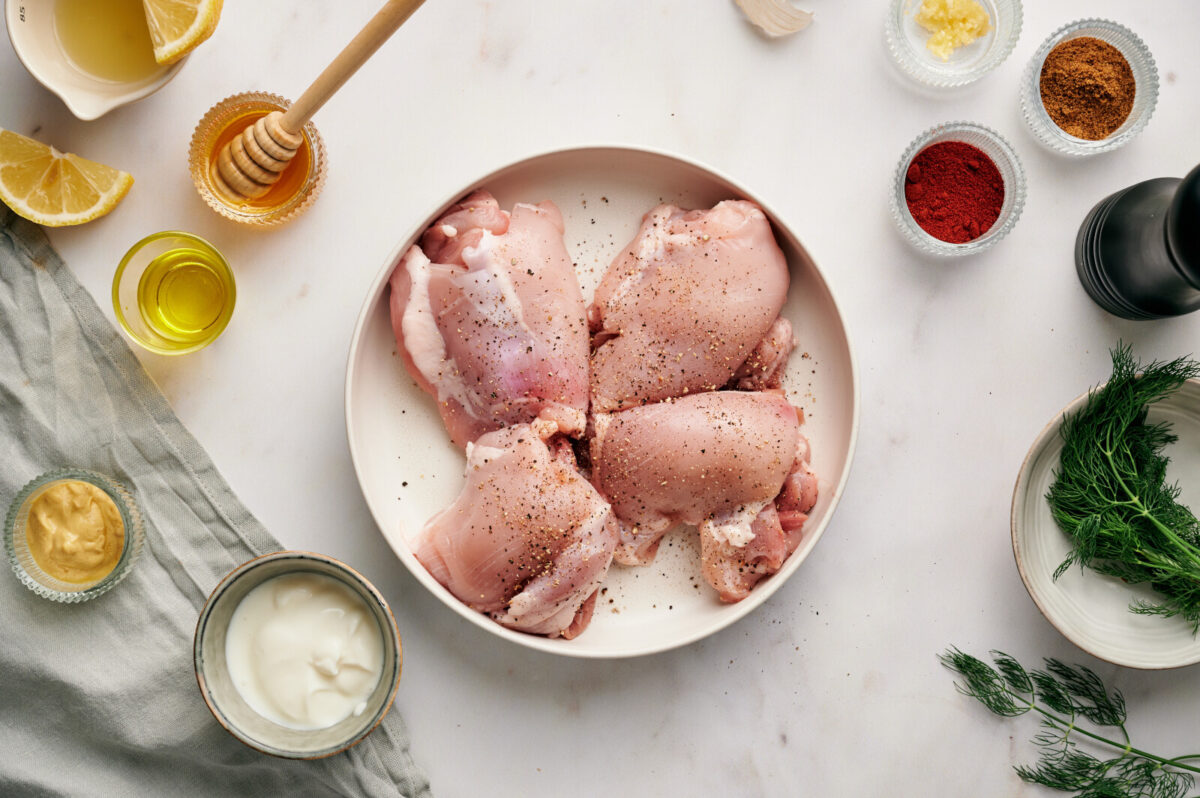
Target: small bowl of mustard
{"type": "Point", "coordinates": [72, 534]}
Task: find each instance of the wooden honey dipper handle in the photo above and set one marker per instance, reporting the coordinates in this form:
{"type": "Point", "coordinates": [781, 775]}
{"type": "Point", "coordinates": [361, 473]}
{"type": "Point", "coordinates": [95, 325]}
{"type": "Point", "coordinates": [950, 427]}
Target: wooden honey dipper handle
{"type": "Point", "coordinates": [253, 162]}
{"type": "Point", "coordinates": [361, 47]}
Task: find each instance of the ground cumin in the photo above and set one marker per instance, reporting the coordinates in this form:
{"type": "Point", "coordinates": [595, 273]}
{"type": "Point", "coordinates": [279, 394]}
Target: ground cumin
{"type": "Point", "coordinates": [1087, 87]}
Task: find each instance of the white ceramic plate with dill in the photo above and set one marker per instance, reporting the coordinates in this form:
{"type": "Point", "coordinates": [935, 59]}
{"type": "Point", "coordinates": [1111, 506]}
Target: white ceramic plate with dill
{"type": "Point", "coordinates": [1090, 609]}
{"type": "Point", "coordinates": [409, 470]}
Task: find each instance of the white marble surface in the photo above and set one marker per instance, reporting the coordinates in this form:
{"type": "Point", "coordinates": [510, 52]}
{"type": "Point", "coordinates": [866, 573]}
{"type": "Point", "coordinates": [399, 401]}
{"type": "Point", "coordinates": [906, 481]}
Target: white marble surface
{"type": "Point", "coordinates": [831, 688]}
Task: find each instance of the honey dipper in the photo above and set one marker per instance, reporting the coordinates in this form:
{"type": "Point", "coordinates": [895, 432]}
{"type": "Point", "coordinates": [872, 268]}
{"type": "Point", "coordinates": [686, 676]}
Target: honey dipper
{"type": "Point", "coordinates": [250, 164]}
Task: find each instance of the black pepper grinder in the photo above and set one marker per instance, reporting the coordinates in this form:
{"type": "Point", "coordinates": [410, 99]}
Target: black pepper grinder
{"type": "Point", "coordinates": [1138, 251]}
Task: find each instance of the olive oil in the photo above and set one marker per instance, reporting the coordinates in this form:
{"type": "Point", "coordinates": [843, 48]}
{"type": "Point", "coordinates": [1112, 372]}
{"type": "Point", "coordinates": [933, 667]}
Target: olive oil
{"type": "Point", "coordinates": [108, 39]}
{"type": "Point", "coordinates": [185, 297]}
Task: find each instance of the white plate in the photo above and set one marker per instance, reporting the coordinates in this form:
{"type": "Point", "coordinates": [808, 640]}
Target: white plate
{"type": "Point", "coordinates": [408, 469]}
{"type": "Point", "coordinates": [1090, 609]}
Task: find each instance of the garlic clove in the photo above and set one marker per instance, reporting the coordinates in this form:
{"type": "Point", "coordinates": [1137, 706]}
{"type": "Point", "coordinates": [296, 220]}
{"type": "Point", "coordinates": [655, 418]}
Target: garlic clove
{"type": "Point", "coordinates": [775, 17]}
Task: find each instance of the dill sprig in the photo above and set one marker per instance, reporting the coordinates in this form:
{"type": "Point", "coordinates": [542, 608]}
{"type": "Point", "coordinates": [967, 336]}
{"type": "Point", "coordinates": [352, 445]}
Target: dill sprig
{"type": "Point", "coordinates": [1064, 696]}
{"type": "Point", "coordinates": [1110, 493]}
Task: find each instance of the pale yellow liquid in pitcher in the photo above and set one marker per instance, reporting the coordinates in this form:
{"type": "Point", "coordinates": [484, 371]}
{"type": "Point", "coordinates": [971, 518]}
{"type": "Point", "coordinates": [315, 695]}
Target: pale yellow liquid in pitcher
{"type": "Point", "coordinates": [107, 39]}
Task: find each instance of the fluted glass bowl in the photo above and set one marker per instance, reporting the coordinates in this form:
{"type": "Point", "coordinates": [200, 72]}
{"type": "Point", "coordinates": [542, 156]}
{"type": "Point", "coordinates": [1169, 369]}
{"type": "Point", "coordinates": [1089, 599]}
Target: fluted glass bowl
{"type": "Point", "coordinates": [218, 126]}
{"type": "Point", "coordinates": [995, 147]}
{"type": "Point", "coordinates": [1145, 74]}
{"type": "Point", "coordinates": [26, 567]}
{"type": "Point", "coordinates": [906, 45]}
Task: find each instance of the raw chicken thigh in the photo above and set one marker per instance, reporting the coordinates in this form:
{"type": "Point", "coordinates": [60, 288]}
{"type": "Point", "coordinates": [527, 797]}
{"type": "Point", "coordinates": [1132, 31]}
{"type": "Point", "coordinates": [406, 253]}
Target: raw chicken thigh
{"type": "Point", "coordinates": [528, 540]}
{"type": "Point", "coordinates": [489, 319]}
{"type": "Point", "coordinates": [732, 462]}
{"type": "Point", "coordinates": [777, 531]}
{"type": "Point", "coordinates": [763, 370]}
{"type": "Point", "coordinates": [688, 425]}
{"type": "Point", "coordinates": [685, 304]}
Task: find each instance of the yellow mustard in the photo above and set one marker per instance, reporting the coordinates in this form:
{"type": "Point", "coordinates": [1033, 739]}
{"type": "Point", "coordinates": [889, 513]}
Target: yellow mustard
{"type": "Point", "coordinates": [75, 532]}
{"type": "Point", "coordinates": [952, 24]}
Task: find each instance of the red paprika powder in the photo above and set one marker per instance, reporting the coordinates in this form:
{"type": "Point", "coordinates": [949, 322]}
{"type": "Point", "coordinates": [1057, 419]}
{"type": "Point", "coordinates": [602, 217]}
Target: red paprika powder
{"type": "Point", "coordinates": [954, 191]}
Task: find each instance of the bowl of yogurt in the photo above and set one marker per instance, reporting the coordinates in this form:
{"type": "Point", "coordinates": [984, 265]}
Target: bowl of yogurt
{"type": "Point", "coordinates": [297, 655]}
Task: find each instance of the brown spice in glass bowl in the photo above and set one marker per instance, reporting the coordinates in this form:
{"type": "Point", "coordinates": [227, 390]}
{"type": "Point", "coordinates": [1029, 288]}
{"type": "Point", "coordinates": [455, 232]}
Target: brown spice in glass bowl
{"type": "Point", "coordinates": [1087, 87]}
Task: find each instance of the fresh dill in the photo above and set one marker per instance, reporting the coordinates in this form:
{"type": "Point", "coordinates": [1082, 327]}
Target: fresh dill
{"type": "Point", "coordinates": [1064, 696]}
{"type": "Point", "coordinates": [1110, 493]}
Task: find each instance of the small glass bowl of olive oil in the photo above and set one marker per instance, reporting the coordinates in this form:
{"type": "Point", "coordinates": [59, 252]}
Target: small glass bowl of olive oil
{"type": "Point", "coordinates": [173, 293]}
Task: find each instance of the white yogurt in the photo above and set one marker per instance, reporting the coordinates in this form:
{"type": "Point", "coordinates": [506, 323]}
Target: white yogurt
{"type": "Point", "coordinates": [304, 651]}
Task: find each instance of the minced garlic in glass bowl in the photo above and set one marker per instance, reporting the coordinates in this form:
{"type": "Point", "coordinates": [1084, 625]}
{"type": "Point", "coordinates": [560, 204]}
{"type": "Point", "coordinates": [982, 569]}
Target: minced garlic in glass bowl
{"type": "Point", "coordinates": [952, 24]}
{"type": "Point", "coordinates": [72, 535]}
{"type": "Point", "coordinates": [972, 46]}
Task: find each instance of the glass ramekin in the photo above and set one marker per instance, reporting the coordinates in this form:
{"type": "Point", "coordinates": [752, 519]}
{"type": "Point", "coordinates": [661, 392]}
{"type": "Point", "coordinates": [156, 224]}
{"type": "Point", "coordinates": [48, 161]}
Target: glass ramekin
{"type": "Point", "coordinates": [205, 139]}
{"type": "Point", "coordinates": [127, 285]}
{"type": "Point", "coordinates": [27, 569]}
{"type": "Point", "coordinates": [1145, 74]}
{"type": "Point", "coordinates": [906, 44]}
{"type": "Point", "coordinates": [1007, 162]}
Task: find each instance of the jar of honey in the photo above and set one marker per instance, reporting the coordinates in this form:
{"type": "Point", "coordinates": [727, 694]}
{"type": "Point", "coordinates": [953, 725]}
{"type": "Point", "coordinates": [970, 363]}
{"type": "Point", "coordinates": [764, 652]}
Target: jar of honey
{"type": "Point", "coordinates": [297, 187]}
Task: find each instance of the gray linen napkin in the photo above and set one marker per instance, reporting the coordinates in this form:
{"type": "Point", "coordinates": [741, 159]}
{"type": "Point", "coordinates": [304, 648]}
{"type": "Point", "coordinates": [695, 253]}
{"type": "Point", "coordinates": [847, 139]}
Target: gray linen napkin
{"type": "Point", "coordinates": [99, 698]}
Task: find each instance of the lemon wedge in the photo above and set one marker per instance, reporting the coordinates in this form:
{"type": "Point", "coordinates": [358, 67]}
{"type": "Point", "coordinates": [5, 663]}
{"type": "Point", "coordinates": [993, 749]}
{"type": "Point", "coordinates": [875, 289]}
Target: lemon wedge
{"type": "Point", "coordinates": [178, 26]}
{"type": "Point", "coordinates": [50, 188]}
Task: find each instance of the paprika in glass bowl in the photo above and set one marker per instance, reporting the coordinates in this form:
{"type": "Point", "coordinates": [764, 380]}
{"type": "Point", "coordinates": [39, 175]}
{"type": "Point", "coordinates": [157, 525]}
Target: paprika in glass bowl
{"type": "Point", "coordinates": [1060, 98]}
{"type": "Point", "coordinates": [958, 189]}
